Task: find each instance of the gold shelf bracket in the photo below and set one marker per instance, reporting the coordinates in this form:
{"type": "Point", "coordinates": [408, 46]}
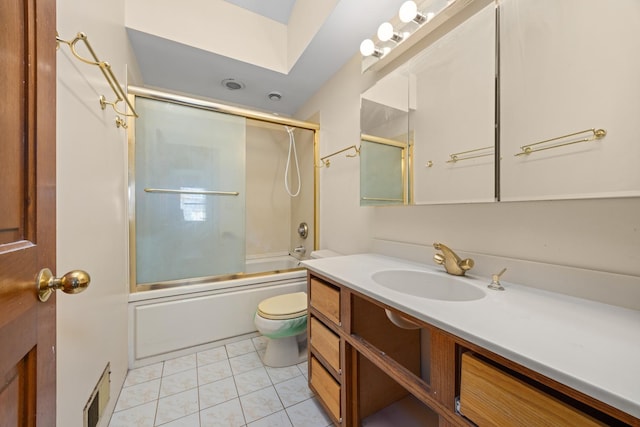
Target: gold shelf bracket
{"type": "Point", "coordinates": [325, 162]}
{"type": "Point", "coordinates": [595, 134]}
{"type": "Point", "coordinates": [105, 68]}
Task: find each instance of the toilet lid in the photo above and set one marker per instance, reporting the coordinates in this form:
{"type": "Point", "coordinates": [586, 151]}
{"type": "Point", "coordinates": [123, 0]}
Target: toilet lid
{"type": "Point", "coordinates": [287, 306]}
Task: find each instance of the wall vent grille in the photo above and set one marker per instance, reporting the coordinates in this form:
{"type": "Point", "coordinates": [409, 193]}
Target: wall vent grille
{"type": "Point", "coordinates": [98, 400]}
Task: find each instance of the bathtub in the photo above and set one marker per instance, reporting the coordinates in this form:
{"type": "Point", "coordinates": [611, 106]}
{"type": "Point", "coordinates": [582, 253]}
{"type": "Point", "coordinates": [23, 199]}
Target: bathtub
{"type": "Point", "coordinates": [171, 322]}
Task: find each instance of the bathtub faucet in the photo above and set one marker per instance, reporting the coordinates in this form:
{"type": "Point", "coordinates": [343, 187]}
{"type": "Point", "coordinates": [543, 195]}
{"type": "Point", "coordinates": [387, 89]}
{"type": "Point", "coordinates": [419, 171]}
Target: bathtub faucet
{"type": "Point", "coordinates": [299, 250]}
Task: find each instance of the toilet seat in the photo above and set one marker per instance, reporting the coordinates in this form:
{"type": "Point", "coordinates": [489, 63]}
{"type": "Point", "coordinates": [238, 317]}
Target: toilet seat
{"type": "Point", "coordinates": [282, 307]}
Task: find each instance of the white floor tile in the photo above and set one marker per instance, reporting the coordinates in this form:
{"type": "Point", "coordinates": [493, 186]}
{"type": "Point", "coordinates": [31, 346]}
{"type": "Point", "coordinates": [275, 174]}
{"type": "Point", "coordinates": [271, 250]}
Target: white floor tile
{"type": "Point", "coordinates": [250, 381]}
{"type": "Point", "coordinates": [138, 394]}
{"type": "Point", "coordinates": [260, 343]}
{"type": "Point", "coordinates": [144, 374]}
{"type": "Point", "coordinates": [206, 357]}
{"type": "Point", "coordinates": [228, 414]}
{"type": "Point", "coordinates": [279, 375]}
{"type": "Point", "coordinates": [239, 348]}
{"type": "Point", "coordinates": [245, 363]}
{"type": "Point", "coordinates": [176, 406]}
{"type": "Point", "coordinates": [308, 414]}
{"type": "Point", "coordinates": [293, 391]}
{"type": "Point", "coordinates": [304, 368]}
{"type": "Point", "coordinates": [226, 386]}
{"type": "Point", "coordinates": [192, 420]}
{"type": "Point", "coordinates": [279, 419]}
{"type": "Point", "coordinates": [260, 403]}
{"type": "Point", "coordinates": [217, 392]}
{"type": "Point", "coordinates": [176, 383]}
{"type": "Point", "coordinates": [179, 364]}
{"type": "Point", "coordinates": [214, 372]}
{"type": "Point", "coordinates": [139, 416]}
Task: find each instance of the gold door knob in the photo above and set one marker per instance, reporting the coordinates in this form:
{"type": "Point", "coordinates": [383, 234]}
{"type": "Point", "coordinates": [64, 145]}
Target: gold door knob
{"type": "Point", "coordinates": [73, 282]}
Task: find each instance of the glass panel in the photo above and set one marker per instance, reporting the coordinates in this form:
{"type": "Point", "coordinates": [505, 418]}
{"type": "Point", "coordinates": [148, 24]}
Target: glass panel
{"type": "Point", "coordinates": [188, 232]}
{"type": "Point", "coordinates": [381, 174]}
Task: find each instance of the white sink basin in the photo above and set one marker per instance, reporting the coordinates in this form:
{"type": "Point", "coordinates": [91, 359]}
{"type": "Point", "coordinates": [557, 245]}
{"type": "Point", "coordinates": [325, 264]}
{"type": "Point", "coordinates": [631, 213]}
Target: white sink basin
{"type": "Point", "coordinates": [424, 284]}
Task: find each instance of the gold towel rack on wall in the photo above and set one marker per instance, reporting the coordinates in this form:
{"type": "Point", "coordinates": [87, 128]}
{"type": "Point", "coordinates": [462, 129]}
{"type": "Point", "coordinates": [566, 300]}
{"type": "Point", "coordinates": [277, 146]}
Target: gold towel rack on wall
{"type": "Point", "coordinates": [326, 162]}
{"type": "Point", "coordinates": [108, 75]}
{"type": "Point", "coordinates": [595, 134]}
{"type": "Point", "coordinates": [462, 155]}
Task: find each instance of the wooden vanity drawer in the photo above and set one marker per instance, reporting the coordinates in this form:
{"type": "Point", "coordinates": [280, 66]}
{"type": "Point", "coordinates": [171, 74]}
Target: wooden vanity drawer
{"type": "Point", "coordinates": [489, 397]}
{"type": "Point", "coordinates": [326, 387]}
{"type": "Point", "coordinates": [326, 299]}
{"type": "Point", "coordinates": [326, 343]}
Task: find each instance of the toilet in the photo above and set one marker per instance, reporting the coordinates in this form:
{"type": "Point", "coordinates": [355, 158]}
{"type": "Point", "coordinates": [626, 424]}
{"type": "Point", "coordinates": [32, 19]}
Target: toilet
{"type": "Point", "coordinates": [283, 320]}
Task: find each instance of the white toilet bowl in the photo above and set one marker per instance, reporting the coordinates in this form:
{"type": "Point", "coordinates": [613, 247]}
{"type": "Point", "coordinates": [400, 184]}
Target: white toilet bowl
{"type": "Point", "coordinates": [283, 320]}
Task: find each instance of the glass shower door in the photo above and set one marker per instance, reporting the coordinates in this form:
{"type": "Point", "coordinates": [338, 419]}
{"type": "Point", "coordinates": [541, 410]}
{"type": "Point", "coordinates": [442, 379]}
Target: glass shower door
{"type": "Point", "coordinates": [189, 192]}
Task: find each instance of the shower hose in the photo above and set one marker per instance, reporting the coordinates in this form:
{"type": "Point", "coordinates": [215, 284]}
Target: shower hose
{"type": "Point", "coordinates": [292, 147]}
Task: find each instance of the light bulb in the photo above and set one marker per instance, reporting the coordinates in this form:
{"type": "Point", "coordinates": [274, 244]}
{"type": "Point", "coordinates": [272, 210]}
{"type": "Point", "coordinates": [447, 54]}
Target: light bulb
{"type": "Point", "coordinates": [367, 47]}
{"type": "Point", "coordinates": [408, 11]}
{"type": "Point", "coordinates": [385, 31]}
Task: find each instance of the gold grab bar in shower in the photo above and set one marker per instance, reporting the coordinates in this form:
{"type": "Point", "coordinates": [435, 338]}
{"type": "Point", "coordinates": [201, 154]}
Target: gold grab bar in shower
{"type": "Point", "coordinates": [596, 134]}
{"type": "Point", "coordinates": [455, 157]}
{"type": "Point", "coordinates": [205, 192]}
{"type": "Point", "coordinates": [326, 162]}
{"type": "Point", "coordinates": [108, 75]}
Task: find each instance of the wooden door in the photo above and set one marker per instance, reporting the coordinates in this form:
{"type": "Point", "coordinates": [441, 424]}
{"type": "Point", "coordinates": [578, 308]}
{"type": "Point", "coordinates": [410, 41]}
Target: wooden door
{"type": "Point", "coordinates": [27, 211]}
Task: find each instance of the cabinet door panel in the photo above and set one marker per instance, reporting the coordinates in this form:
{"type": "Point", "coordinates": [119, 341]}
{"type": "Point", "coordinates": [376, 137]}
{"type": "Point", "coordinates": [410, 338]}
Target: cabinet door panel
{"type": "Point", "coordinates": [565, 67]}
{"type": "Point", "coordinates": [454, 86]}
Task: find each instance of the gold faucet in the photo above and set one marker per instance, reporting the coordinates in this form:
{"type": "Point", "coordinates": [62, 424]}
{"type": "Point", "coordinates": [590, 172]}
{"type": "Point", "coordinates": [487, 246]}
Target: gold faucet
{"type": "Point", "coordinates": [452, 262]}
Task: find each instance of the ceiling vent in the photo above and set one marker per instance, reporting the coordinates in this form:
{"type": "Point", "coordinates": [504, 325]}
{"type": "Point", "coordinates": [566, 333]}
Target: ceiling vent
{"type": "Point", "coordinates": [232, 84]}
{"type": "Point", "coordinates": [275, 96]}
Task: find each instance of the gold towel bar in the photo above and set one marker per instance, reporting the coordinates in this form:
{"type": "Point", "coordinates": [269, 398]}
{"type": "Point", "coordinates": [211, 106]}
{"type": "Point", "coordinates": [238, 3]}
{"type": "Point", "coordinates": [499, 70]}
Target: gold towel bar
{"type": "Point", "coordinates": [108, 75]}
{"type": "Point", "coordinates": [326, 162]}
{"type": "Point", "coordinates": [205, 192]}
{"type": "Point", "coordinates": [455, 157]}
{"type": "Point", "coordinates": [596, 134]}
{"type": "Point", "coordinates": [381, 199]}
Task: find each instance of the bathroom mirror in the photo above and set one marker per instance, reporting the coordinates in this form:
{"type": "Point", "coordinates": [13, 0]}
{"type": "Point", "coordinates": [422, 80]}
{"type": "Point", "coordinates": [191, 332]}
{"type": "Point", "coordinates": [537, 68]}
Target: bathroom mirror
{"type": "Point", "coordinates": [384, 142]}
{"type": "Point", "coordinates": [453, 84]}
{"type": "Point", "coordinates": [383, 169]}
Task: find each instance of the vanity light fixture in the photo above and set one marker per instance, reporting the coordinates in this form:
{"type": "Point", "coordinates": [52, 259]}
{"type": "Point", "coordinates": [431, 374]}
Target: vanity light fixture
{"type": "Point", "coordinates": [407, 14]}
{"type": "Point", "coordinates": [386, 32]}
{"type": "Point", "coordinates": [368, 48]}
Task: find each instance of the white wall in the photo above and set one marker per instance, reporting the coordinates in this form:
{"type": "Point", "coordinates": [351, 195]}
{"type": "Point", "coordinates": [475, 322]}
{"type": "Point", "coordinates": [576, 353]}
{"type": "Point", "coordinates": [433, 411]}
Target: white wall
{"type": "Point", "coordinates": [595, 234]}
{"type": "Point", "coordinates": [91, 209]}
{"type": "Point", "coordinates": [344, 226]}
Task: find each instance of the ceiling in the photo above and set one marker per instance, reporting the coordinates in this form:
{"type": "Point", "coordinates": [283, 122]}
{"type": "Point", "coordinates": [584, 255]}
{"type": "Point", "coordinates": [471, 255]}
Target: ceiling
{"type": "Point", "coordinates": [177, 67]}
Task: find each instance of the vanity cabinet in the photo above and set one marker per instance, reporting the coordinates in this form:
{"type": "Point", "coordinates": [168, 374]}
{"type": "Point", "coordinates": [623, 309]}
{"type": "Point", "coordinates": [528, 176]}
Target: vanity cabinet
{"type": "Point", "coordinates": [566, 68]}
{"type": "Point", "coordinates": [365, 370]}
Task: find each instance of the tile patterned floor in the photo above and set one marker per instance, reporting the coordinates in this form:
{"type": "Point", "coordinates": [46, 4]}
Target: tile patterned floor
{"type": "Point", "coordinates": [226, 386]}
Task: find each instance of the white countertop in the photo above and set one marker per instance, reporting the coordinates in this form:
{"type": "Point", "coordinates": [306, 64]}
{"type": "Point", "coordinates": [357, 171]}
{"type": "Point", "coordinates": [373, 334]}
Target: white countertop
{"type": "Point", "coordinates": [589, 346]}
